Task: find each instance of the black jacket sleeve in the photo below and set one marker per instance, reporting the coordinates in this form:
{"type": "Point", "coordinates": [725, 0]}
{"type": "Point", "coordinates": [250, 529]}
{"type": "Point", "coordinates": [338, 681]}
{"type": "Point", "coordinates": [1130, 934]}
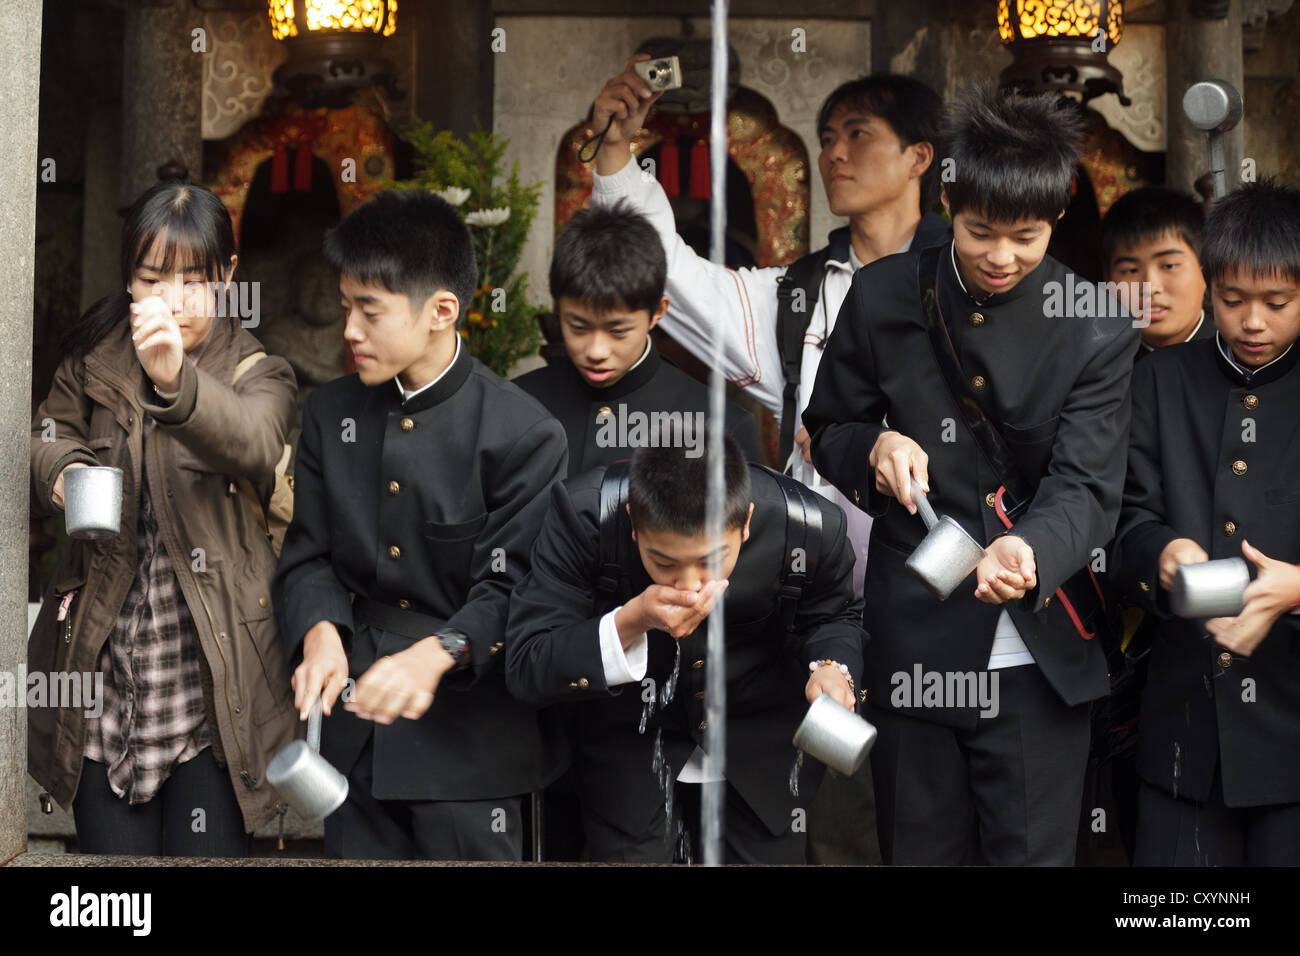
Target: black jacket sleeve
{"type": "Point", "coordinates": [1143, 530]}
{"type": "Point", "coordinates": [306, 590]}
{"type": "Point", "coordinates": [553, 635]}
{"type": "Point", "coordinates": [846, 412]}
{"type": "Point", "coordinates": [516, 510]}
{"type": "Point", "coordinates": [828, 622]}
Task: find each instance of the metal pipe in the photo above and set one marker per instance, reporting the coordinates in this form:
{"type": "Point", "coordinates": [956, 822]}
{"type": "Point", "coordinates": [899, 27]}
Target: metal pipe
{"type": "Point", "coordinates": [713, 798]}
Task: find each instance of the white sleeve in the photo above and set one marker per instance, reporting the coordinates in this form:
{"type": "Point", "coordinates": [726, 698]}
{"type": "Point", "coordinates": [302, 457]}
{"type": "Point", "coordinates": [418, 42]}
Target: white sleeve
{"type": "Point", "coordinates": [621, 667]}
{"type": "Point", "coordinates": [706, 298]}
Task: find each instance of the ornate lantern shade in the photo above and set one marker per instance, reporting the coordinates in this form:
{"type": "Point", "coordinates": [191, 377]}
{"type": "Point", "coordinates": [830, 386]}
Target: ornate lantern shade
{"type": "Point", "coordinates": [291, 18]}
{"type": "Point", "coordinates": [335, 47]}
{"type": "Point", "coordinates": [1062, 45]}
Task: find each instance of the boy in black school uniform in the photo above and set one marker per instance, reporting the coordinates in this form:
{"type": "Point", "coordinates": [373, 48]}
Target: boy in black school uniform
{"type": "Point", "coordinates": [1213, 460]}
{"type": "Point", "coordinates": [583, 631]}
{"type": "Point", "coordinates": [614, 391]}
{"type": "Point", "coordinates": [1151, 243]}
{"type": "Point", "coordinates": [1152, 235]}
{"type": "Point", "coordinates": [611, 392]}
{"type": "Point", "coordinates": [957, 782]}
{"type": "Point", "coordinates": [420, 484]}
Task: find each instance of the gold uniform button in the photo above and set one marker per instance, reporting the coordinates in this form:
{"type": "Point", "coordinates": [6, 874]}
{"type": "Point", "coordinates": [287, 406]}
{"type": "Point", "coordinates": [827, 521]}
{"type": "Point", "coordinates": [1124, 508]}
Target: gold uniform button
{"type": "Point", "coordinates": [394, 487]}
{"type": "Point", "coordinates": [1229, 528]}
{"type": "Point", "coordinates": [583, 683]}
{"type": "Point", "coordinates": [603, 412]}
{"type": "Point", "coordinates": [404, 604]}
{"type": "Point", "coordinates": [1144, 586]}
{"type": "Point", "coordinates": [976, 319]}
{"type": "Point", "coordinates": [1251, 401]}
{"type": "Point", "coordinates": [496, 648]}
{"type": "Point", "coordinates": [991, 499]}
{"type": "Point", "coordinates": [394, 552]}
{"type": "Point", "coordinates": [704, 725]}
{"type": "Point", "coordinates": [262, 602]}
{"type": "Point", "coordinates": [407, 425]}
{"type": "Point", "coordinates": [978, 383]}
{"type": "Point", "coordinates": [1225, 659]}
{"type": "Point", "coordinates": [697, 665]}
{"type": "Point", "coordinates": [1047, 600]}
{"type": "Point", "coordinates": [1238, 467]}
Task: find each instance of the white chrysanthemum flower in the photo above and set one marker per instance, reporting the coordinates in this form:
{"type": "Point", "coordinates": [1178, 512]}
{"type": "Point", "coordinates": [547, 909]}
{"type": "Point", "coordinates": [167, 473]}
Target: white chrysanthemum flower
{"type": "Point", "coordinates": [453, 194]}
{"type": "Point", "coordinates": [488, 217]}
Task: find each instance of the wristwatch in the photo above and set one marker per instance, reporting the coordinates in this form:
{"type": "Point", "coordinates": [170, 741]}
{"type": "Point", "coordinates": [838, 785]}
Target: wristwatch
{"type": "Point", "coordinates": [455, 643]}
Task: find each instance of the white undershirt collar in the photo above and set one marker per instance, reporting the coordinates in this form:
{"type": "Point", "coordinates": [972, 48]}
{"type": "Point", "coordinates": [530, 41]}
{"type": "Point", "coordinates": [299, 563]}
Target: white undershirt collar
{"type": "Point", "coordinates": [407, 396]}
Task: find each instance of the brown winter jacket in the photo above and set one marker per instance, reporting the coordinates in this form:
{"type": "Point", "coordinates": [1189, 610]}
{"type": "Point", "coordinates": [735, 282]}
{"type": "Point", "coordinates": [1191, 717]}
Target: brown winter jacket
{"type": "Point", "coordinates": [211, 435]}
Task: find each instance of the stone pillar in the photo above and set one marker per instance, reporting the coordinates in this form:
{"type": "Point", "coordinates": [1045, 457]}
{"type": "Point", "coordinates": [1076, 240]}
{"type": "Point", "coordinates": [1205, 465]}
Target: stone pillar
{"type": "Point", "coordinates": [1202, 42]}
{"type": "Point", "coordinates": [20, 25]}
{"type": "Point", "coordinates": [454, 64]}
{"type": "Point", "coordinates": [914, 38]}
{"type": "Point", "coordinates": [162, 92]}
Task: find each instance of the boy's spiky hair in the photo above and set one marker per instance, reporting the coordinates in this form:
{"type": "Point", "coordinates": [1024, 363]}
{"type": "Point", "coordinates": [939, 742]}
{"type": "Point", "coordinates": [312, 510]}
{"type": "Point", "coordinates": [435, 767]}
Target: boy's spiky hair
{"type": "Point", "coordinates": [1149, 213]}
{"type": "Point", "coordinates": [410, 243]}
{"type": "Point", "coordinates": [1014, 156]}
{"type": "Point", "coordinates": [666, 489]}
{"type": "Point", "coordinates": [1256, 230]}
{"type": "Point", "coordinates": [610, 258]}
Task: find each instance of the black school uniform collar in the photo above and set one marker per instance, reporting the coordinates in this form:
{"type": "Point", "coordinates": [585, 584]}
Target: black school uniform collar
{"type": "Point", "coordinates": [1033, 281]}
{"type": "Point", "coordinates": [1240, 375]}
{"type": "Point", "coordinates": [444, 386]}
{"type": "Point", "coordinates": [637, 376]}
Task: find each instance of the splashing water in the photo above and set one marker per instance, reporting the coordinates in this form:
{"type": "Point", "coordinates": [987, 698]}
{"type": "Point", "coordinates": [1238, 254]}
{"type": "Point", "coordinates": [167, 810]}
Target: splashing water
{"type": "Point", "coordinates": [684, 844]}
{"type": "Point", "coordinates": [647, 708]}
{"type": "Point", "coordinates": [794, 773]}
{"type": "Point", "coordinates": [670, 686]}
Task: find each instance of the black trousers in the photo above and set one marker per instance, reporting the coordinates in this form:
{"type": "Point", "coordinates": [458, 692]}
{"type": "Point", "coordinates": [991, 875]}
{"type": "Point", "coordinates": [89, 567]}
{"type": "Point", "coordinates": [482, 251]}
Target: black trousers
{"type": "Point", "coordinates": [1006, 793]}
{"type": "Point", "coordinates": [194, 813]}
{"type": "Point", "coordinates": [1177, 832]}
{"type": "Point", "coordinates": [368, 829]}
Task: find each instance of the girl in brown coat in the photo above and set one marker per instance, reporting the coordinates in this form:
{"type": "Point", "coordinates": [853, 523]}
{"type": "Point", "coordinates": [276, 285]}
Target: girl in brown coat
{"type": "Point", "coordinates": [171, 618]}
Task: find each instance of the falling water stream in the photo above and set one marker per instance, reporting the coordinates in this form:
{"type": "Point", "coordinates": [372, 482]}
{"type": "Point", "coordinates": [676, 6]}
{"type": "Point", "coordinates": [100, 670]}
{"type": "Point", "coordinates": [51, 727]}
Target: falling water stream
{"type": "Point", "coordinates": [794, 773]}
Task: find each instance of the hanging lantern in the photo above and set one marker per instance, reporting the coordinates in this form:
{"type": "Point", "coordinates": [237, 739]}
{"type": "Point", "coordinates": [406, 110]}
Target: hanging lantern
{"type": "Point", "coordinates": [334, 47]}
{"type": "Point", "coordinates": [1062, 46]}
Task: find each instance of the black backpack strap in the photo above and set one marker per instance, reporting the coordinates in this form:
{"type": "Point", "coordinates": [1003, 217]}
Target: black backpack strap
{"type": "Point", "coordinates": [806, 274]}
{"type": "Point", "coordinates": [803, 531]}
{"type": "Point", "coordinates": [614, 525]}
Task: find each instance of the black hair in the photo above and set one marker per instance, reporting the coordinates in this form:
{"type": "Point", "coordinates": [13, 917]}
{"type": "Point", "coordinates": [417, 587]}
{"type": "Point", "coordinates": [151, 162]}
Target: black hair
{"type": "Point", "coordinates": [1013, 156]}
{"type": "Point", "coordinates": [1255, 229]}
{"type": "Point", "coordinates": [411, 243]}
{"type": "Point", "coordinates": [198, 233]}
{"type": "Point", "coordinates": [667, 490]}
{"type": "Point", "coordinates": [1149, 213]}
{"type": "Point", "coordinates": [913, 111]}
{"type": "Point", "coordinates": [610, 258]}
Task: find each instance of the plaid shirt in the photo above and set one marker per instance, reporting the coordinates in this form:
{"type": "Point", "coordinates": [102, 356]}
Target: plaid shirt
{"type": "Point", "coordinates": [153, 703]}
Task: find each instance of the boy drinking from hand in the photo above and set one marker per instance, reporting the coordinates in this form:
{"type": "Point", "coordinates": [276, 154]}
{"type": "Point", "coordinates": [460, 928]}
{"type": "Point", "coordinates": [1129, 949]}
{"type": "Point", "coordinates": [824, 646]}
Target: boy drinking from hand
{"type": "Point", "coordinates": [619, 577]}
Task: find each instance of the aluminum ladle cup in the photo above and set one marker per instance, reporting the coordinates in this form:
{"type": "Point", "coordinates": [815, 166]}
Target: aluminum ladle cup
{"type": "Point", "coordinates": [1210, 588]}
{"type": "Point", "coordinates": [946, 555]}
{"type": "Point", "coordinates": [92, 502]}
{"type": "Point", "coordinates": [307, 781]}
{"type": "Point", "coordinates": [835, 735]}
